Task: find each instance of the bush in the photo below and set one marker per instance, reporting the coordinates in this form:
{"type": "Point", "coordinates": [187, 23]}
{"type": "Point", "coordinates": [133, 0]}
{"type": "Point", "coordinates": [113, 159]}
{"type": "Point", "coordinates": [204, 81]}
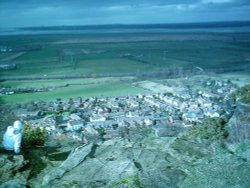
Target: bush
{"type": "Point", "coordinates": [210, 128]}
{"type": "Point", "coordinates": [242, 94]}
{"type": "Point", "coordinates": [129, 181]}
{"type": "Point", "coordinates": [33, 137]}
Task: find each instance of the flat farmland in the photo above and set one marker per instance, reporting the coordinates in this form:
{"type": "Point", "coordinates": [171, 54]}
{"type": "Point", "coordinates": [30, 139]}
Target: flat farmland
{"type": "Point", "coordinates": [109, 54]}
{"type": "Point", "coordinates": [74, 88]}
{"type": "Point", "coordinates": [117, 57]}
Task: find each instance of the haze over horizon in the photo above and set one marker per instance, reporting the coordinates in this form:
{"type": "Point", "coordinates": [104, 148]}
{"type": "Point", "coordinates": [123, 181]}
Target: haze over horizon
{"type": "Point", "coordinates": [31, 13]}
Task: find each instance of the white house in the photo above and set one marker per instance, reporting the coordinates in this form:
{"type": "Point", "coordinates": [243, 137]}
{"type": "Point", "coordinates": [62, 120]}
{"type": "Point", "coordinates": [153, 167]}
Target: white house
{"type": "Point", "coordinates": [75, 117]}
{"type": "Point", "coordinates": [74, 125]}
{"type": "Point", "coordinates": [207, 104]}
{"type": "Point", "coordinates": [97, 118]}
{"type": "Point", "coordinates": [132, 103]}
{"type": "Point", "coordinates": [113, 104]}
{"type": "Point", "coordinates": [211, 113]}
{"type": "Point", "coordinates": [132, 114]}
{"type": "Point", "coordinates": [190, 116]}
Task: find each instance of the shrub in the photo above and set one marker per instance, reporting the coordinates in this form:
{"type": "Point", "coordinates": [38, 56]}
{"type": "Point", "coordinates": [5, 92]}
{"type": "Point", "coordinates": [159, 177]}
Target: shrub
{"type": "Point", "coordinates": [210, 128]}
{"type": "Point", "coordinates": [33, 136]}
{"type": "Point", "coordinates": [243, 94]}
{"type": "Point", "coordinates": [129, 181]}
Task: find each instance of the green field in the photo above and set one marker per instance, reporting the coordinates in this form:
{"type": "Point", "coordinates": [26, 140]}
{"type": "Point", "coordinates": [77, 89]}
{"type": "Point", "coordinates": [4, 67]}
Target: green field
{"type": "Point", "coordinates": [107, 57]}
{"type": "Point", "coordinates": [115, 53]}
{"type": "Point", "coordinates": [79, 88]}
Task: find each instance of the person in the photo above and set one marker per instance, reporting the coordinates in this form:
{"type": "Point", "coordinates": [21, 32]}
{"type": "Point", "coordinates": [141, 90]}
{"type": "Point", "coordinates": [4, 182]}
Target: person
{"type": "Point", "coordinates": [13, 137]}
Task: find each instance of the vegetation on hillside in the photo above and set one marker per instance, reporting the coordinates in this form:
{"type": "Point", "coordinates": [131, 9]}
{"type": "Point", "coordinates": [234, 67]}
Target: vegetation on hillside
{"type": "Point", "coordinates": [210, 129]}
{"type": "Point", "coordinates": [242, 94]}
{"type": "Point", "coordinates": [129, 181]}
{"type": "Point", "coordinates": [33, 136]}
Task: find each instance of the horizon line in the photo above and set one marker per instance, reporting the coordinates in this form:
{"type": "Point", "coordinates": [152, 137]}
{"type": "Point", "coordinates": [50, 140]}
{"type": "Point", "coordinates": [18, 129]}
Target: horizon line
{"type": "Point", "coordinates": [245, 22]}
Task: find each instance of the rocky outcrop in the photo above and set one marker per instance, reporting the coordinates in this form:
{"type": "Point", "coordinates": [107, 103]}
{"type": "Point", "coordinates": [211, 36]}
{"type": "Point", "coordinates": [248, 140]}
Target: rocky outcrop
{"type": "Point", "coordinates": [75, 158]}
{"type": "Point", "coordinates": [11, 174]}
{"type": "Point", "coordinates": [151, 161]}
{"type": "Point", "coordinates": [239, 124]}
{"type": "Point", "coordinates": [118, 163]}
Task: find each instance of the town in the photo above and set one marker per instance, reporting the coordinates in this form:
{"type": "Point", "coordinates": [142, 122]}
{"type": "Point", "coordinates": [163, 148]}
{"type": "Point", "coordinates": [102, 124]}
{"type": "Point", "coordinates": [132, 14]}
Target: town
{"type": "Point", "coordinates": [85, 119]}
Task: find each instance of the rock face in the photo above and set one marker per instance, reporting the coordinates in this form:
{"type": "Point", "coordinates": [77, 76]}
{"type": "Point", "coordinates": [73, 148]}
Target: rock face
{"type": "Point", "coordinates": [10, 167]}
{"type": "Point", "coordinates": [118, 162]}
{"type": "Point", "coordinates": [74, 159]}
{"type": "Point", "coordinates": [159, 162]}
{"type": "Point", "coordinates": [239, 124]}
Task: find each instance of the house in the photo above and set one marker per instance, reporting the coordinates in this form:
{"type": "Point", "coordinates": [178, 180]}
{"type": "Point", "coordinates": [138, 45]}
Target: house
{"type": "Point", "coordinates": [49, 121]}
{"type": "Point", "coordinates": [211, 113]}
{"type": "Point", "coordinates": [193, 105]}
{"type": "Point", "coordinates": [75, 117]}
{"type": "Point", "coordinates": [207, 95]}
{"type": "Point", "coordinates": [175, 103]}
{"type": "Point", "coordinates": [168, 100]}
{"type": "Point", "coordinates": [66, 106]}
{"type": "Point", "coordinates": [200, 100]}
{"type": "Point", "coordinates": [116, 115]}
{"type": "Point", "coordinates": [113, 104]}
{"type": "Point", "coordinates": [21, 113]}
{"type": "Point", "coordinates": [8, 66]}
{"type": "Point", "coordinates": [207, 104]}
{"type": "Point", "coordinates": [220, 91]}
{"type": "Point", "coordinates": [183, 106]}
{"type": "Point", "coordinates": [140, 96]}
{"type": "Point", "coordinates": [132, 103]}
{"type": "Point", "coordinates": [34, 113]}
{"type": "Point", "coordinates": [148, 121]}
{"type": "Point", "coordinates": [62, 121]}
{"type": "Point", "coordinates": [110, 133]}
{"type": "Point", "coordinates": [190, 116]}
{"type": "Point", "coordinates": [218, 83]}
{"type": "Point", "coordinates": [97, 118]}
{"type": "Point", "coordinates": [77, 136]}
{"type": "Point", "coordinates": [89, 130]}
{"type": "Point", "coordinates": [132, 114]}
{"type": "Point", "coordinates": [187, 123]}
{"type": "Point", "coordinates": [162, 130]}
{"type": "Point", "coordinates": [186, 96]}
{"type": "Point", "coordinates": [74, 125]}
{"type": "Point", "coordinates": [5, 49]}
{"type": "Point", "coordinates": [50, 128]}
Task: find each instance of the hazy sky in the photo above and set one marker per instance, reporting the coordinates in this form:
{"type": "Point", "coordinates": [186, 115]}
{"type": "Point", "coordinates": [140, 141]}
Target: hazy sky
{"type": "Point", "coordinates": [20, 13]}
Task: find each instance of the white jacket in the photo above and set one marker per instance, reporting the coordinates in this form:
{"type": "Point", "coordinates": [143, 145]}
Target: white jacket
{"type": "Point", "coordinates": [12, 139]}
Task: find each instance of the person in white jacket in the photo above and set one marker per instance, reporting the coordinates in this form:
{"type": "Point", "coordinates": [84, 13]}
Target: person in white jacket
{"type": "Point", "coordinates": [13, 137]}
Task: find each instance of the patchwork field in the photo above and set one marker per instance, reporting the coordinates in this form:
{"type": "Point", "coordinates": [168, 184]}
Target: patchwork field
{"type": "Point", "coordinates": [109, 54]}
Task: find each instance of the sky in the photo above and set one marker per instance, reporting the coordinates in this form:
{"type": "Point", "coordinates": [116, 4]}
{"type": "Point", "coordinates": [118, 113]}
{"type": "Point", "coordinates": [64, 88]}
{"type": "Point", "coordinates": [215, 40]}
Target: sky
{"type": "Point", "coordinates": [25, 13]}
